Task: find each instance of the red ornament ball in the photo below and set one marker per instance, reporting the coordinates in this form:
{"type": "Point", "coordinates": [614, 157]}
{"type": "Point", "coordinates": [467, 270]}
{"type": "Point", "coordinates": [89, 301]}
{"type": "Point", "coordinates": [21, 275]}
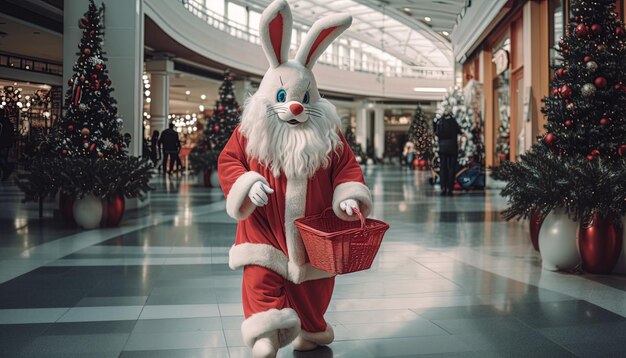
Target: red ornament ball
{"type": "Point", "coordinates": [70, 82]}
{"type": "Point", "coordinates": [600, 82]}
{"type": "Point", "coordinates": [99, 67]}
{"type": "Point", "coordinates": [549, 139]}
{"type": "Point", "coordinates": [216, 128]}
{"type": "Point", "coordinates": [569, 123]}
{"type": "Point", "coordinates": [82, 23]}
{"type": "Point", "coordinates": [220, 109]}
{"type": "Point", "coordinates": [619, 31]}
{"type": "Point", "coordinates": [604, 121]}
{"type": "Point", "coordinates": [85, 131]}
{"type": "Point", "coordinates": [87, 51]}
{"type": "Point", "coordinates": [92, 147]}
{"type": "Point", "coordinates": [70, 127]}
{"type": "Point", "coordinates": [581, 30]}
{"type": "Point", "coordinates": [590, 157]}
{"type": "Point", "coordinates": [621, 150]}
{"type": "Point", "coordinates": [587, 59]}
{"type": "Point", "coordinates": [64, 152]}
{"type": "Point", "coordinates": [566, 91]}
{"type": "Point", "coordinates": [597, 29]}
{"type": "Point", "coordinates": [108, 82]}
{"type": "Point", "coordinates": [100, 154]}
{"type": "Point", "coordinates": [555, 92]}
{"type": "Point", "coordinates": [560, 72]}
{"type": "Point", "coordinates": [595, 152]}
{"type": "Point", "coordinates": [94, 76]}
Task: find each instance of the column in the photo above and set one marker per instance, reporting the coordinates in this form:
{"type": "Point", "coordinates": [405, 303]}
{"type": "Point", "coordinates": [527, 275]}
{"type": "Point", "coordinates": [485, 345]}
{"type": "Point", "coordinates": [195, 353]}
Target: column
{"type": "Point", "coordinates": [361, 125]}
{"type": "Point", "coordinates": [536, 66]}
{"type": "Point", "coordinates": [159, 69]}
{"type": "Point", "coordinates": [379, 132]}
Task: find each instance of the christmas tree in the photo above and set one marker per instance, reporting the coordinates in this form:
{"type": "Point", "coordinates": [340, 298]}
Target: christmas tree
{"type": "Point", "coordinates": [219, 128]}
{"type": "Point", "coordinates": [421, 135]}
{"type": "Point", "coordinates": [578, 164]}
{"type": "Point", "coordinates": [503, 147]}
{"type": "Point", "coordinates": [86, 146]}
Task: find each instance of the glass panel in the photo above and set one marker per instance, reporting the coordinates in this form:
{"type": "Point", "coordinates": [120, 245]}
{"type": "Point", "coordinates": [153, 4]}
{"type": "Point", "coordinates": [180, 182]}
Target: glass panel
{"type": "Point", "coordinates": [237, 13]}
{"type": "Point", "coordinates": [216, 6]}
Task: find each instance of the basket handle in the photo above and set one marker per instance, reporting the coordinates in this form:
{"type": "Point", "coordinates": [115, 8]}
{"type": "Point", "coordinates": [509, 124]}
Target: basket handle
{"type": "Point", "coordinates": [357, 211]}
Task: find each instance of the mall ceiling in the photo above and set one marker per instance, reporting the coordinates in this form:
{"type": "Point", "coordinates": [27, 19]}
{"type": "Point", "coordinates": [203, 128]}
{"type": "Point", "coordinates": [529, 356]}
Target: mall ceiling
{"type": "Point", "coordinates": [415, 30]}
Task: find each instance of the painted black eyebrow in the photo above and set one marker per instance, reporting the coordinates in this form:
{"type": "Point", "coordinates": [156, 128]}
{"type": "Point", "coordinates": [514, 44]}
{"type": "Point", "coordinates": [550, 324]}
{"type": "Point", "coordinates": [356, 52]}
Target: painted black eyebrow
{"type": "Point", "coordinates": [281, 81]}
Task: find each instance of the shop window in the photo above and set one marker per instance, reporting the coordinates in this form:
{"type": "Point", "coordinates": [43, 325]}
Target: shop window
{"type": "Point", "coordinates": [502, 102]}
{"type": "Point", "coordinates": [556, 30]}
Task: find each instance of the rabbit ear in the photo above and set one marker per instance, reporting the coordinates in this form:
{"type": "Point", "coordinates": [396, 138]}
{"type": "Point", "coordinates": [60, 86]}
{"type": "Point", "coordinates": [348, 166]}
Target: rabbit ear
{"type": "Point", "coordinates": [275, 32]}
{"type": "Point", "coordinates": [320, 36]}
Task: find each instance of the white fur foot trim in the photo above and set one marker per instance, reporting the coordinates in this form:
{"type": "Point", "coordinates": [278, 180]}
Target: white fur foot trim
{"type": "Point", "coordinates": [301, 344]}
{"type": "Point", "coordinates": [285, 321]}
{"type": "Point", "coordinates": [320, 338]}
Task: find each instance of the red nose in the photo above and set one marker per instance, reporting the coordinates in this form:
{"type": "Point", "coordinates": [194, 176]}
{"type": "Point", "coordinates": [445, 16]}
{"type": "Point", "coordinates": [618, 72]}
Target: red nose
{"type": "Point", "coordinates": [296, 108]}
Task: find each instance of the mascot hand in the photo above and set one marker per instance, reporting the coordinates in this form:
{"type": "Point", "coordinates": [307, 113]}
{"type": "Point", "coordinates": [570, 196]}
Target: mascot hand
{"type": "Point", "coordinates": [258, 193]}
{"type": "Point", "coordinates": [349, 206]}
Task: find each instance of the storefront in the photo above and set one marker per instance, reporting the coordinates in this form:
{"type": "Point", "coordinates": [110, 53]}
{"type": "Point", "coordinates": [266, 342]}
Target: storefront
{"type": "Point", "coordinates": [510, 54]}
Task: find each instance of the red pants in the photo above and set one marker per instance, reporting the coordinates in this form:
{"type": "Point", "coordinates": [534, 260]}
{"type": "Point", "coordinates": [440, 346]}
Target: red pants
{"type": "Point", "coordinates": [264, 289]}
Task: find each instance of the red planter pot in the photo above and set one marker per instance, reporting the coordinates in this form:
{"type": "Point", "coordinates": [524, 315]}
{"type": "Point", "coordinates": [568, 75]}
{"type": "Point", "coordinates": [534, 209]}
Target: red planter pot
{"type": "Point", "coordinates": [113, 210]}
{"type": "Point", "coordinates": [535, 224]}
{"type": "Point", "coordinates": [66, 206]}
{"type": "Point", "coordinates": [600, 245]}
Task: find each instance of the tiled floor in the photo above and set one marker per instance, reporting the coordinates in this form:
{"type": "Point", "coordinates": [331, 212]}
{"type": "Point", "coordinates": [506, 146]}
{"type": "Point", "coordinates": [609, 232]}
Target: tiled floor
{"type": "Point", "coordinates": [451, 280]}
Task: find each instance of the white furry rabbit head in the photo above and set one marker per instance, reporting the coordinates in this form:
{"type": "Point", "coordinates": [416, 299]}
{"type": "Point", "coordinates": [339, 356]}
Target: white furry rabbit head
{"type": "Point", "coordinates": [289, 127]}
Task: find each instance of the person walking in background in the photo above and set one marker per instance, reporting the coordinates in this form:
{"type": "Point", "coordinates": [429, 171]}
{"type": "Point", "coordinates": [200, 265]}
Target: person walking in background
{"type": "Point", "coordinates": [154, 149]}
{"type": "Point", "coordinates": [408, 153]}
{"type": "Point", "coordinates": [447, 131]}
{"type": "Point", "coordinates": [171, 145]}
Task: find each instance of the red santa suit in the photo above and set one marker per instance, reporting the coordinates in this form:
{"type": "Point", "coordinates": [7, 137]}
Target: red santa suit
{"type": "Point", "coordinates": [281, 290]}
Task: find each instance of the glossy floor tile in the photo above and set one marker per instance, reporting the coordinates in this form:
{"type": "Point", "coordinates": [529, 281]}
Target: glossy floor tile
{"type": "Point", "coordinates": [451, 279]}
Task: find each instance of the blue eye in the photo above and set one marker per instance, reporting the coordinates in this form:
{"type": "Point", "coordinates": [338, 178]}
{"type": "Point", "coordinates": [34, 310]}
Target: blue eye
{"type": "Point", "coordinates": [306, 98]}
{"type": "Point", "coordinates": [281, 96]}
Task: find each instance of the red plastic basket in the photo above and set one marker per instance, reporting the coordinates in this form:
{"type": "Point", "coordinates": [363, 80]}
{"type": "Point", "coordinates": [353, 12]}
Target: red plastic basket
{"type": "Point", "coordinates": [338, 246]}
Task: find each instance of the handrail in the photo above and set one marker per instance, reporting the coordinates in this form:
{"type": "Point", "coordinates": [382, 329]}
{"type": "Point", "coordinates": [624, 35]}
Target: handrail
{"type": "Point", "coordinates": [379, 67]}
{"type": "Point", "coordinates": [30, 64]}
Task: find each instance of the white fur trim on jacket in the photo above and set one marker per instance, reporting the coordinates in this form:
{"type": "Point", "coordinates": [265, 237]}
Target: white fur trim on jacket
{"type": "Point", "coordinates": [272, 258]}
{"type": "Point", "coordinates": [238, 205]}
{"type": "Point", "coordinates": [286, 321]}
{"type": "Point", "coordinates": [352, 190]}
{"type": "Point", "coordinates": [320, 338]}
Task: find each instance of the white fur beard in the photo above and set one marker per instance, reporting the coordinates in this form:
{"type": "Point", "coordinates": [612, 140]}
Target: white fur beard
{"type": "Point", "coordinates": [296, 151]}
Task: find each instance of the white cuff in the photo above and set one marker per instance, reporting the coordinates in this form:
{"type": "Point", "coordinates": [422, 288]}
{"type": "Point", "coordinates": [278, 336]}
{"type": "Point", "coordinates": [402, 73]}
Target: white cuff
{"type": "Point", "coordinates": [352, 190]}
{"type": "Point", "coordinates": [238, 205]}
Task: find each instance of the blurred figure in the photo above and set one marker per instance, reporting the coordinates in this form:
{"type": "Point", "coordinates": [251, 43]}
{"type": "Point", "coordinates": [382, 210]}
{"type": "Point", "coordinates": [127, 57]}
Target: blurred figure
{"type": "Point", "coordinates": [408, 153]}
{"type": "Point", "coordinates": [447, 131]}
{"type": "Point", "coordinates": [171, 145]}
{"type": "Point", "coordinates": [155, 153]}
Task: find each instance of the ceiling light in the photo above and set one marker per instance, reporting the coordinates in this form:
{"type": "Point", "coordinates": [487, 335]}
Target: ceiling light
{"type": "Point", "coordinates": [428, 19]}
{"type": "Point", "coordinates": [187, 92]}
{"type": "Point", "coordinates": [203, 97]}
{"type": "Point", "coordinates": [406, 9]}
{"type": "Point", "coordinates": [445, 33]}
{"type": "Point", "coordinates": [429, 89]}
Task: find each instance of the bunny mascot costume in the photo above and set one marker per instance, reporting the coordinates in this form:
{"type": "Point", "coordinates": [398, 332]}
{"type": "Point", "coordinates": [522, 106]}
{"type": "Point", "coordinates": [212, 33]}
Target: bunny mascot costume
{"type": "Point", "coordinates": [286, 160]}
